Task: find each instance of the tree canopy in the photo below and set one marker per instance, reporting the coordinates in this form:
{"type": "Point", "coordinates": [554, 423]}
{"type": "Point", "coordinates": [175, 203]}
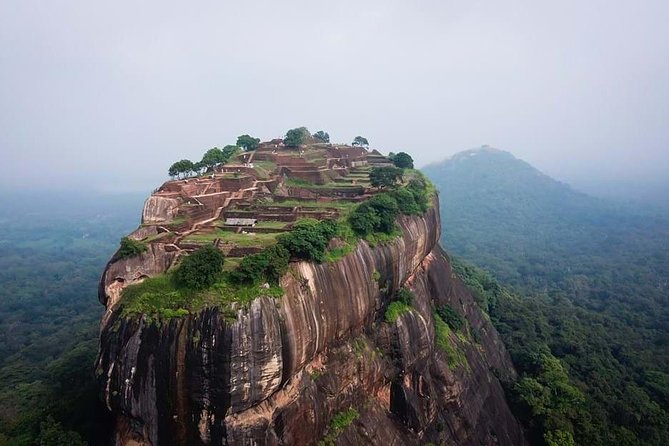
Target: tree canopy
{"type": "Point", "coordinates": [360, 141]}
{"type": "Point", "coordinates": [269, 265]}
{"type": "Point", "coordinates": [418, 188]}
{"type": "Point", "coordinates": [212, 157]}
{"type": "Point", "coordinates": [200, 269]}
{"type": "Point", "coordinates": [322, 136]}
{"type": "Point", "coordinates": [406, 201]}
{"type": "Point", "coordinates": [228, 152]}
{"type": "Point", "coordinates": [387, 209]}
{"type": "Point", "coordinates": [378, 214]}
{"type": "Point", "coordinates": [52, 433]}
{"type": "Point", "coordinates": [296, 137]}
{"type": "Point", "coordinates": [403, 160]}
{"type": "Point", "coordinates": [48, 276]}
{"type": "Point", "coordinates": [308, 239]}
{"type": "Point", "coordinates": [216, 156]}
{"type": "Point", "coordinates": [382, 177]}
{"type": "Point", "coordinates": [199, 167]}
{"type": "Point", "coordinates": [248, 142]}
{"type": "Point", "coordinates": [364, 219]}
{"type": "Point", "coordinates": [181, 168]}
{"type": "Point", "coordinates": [563, 251]}
{"type": "Point", "coordinates": [375, 215]}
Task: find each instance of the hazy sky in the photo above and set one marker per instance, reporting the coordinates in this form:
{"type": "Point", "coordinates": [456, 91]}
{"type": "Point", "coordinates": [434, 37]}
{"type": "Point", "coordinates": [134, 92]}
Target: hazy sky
{"type": "Point", "coordinates": [111, 93]}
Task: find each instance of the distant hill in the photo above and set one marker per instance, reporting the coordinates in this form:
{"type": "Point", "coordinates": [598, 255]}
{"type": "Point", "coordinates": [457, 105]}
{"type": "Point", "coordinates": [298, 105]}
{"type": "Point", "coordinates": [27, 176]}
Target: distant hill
{"type": "Point", "coordinates": [595, 277]}
{"type": "Point", "coordinates": [505, 215]}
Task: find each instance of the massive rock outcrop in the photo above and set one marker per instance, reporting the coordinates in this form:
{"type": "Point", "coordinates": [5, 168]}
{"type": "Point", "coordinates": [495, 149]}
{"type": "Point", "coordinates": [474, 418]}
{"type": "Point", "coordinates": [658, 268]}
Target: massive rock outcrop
{"type": "Point", "coordinates": [159, 209]}
{"type": "Point", "coordinates": [283, 369]}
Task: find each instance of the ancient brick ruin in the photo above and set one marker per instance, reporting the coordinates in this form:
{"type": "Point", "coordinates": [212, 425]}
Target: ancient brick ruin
{"type": "Point", "coordinates": [274, 186]}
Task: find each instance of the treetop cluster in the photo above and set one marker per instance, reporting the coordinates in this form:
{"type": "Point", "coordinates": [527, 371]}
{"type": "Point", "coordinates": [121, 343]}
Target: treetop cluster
{"type": "Point", "coordinates": [294, 138]}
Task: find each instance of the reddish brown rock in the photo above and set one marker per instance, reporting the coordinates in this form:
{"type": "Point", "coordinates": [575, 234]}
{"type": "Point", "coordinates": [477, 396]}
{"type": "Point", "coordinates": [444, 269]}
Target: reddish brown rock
{"type": "Point", "coordinates": [159, 209]}
{"type": "Point", "coordinates": [281, 371]}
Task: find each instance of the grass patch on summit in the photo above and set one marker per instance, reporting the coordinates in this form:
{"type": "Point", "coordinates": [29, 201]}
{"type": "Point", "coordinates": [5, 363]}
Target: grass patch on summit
{"type": "Point", "coordinates": [271, 224]}
{"type": "Point", "coordinates": [244, 240]}
{"type": "Point", "coordinates": [159, 297]}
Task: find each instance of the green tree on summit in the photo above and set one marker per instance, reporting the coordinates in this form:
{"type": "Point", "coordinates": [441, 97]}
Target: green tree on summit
{"type": "Point", "coordinates": [308, 239]}
{"type": "Point", "coordinates": [360, 141]}
{"type": "Point", "coordinates": [322, 136]}
{"type": "Point", "coordinates": [199, 167]}
{"type": "Point", "coordinates": [213, 157]}
{"type": "Point", "coordinates": [173, 171]}
{"type": "Point", "coordinates": [228, 152]}
{"type": "Point", "coordinates": [201, 269]}
{"type": "Point", "coordinates": [364, 219]}
{"type": "Point", "coordinates": [248, 142]}
{"type": "Point", "coordinates": [182, 167]}
{"type": "Point", "coordinates": [296, 137]}
{"type": "Point", "coordinates": [403, 160]}
{"type": "Point", "coordinates": [382, 177]}
{"type": "Point", "coordinates": [375, 215]}
{"type": "Point", "coordinates": [268, 265]}
{"type": "Point", "coordinates": [387, 210]}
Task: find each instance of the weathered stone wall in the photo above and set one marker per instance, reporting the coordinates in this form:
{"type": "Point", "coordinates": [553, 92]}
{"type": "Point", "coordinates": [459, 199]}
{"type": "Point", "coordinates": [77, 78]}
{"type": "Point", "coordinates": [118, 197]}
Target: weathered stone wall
{"type": "Point", "coordinates": [213, 201]}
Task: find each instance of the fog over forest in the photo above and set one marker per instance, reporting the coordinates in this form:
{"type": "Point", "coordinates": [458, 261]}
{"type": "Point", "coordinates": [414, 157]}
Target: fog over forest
{"type": "Point", "coordinates": [501, 278]}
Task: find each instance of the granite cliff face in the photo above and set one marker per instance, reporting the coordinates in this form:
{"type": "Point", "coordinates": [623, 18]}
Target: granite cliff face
{"type": "Point", "coordinates": [284, 368]}
{"type": "Point", "coordinates": [322, 364]}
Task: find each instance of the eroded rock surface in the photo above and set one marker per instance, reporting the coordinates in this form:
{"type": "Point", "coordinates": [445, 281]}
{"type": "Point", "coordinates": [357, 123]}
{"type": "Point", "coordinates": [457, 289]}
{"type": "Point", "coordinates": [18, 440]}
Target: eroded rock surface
{"type": "Point", "coordinates": [280, 372]}
{"type": "Point", "coordinates": [159, 209]}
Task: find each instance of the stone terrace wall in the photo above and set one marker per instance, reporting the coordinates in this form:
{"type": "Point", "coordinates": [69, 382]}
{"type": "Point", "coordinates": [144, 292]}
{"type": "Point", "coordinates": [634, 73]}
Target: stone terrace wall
{"type": "Point", "coordinates": [316, 176]}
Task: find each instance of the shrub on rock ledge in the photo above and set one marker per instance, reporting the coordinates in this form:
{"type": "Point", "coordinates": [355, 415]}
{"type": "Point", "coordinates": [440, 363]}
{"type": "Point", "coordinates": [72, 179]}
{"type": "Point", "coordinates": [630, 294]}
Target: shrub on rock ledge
{"type": "Point", "coordinates": [387, 209]}
{"type": "Point", "coordinates": [375, 215]}
{"type": "Point", "coordinates": [308, 239]}
{"type": "Point", "coordinates": [364, 219]}
{"type": "Point", "coordinates": [419, 190]}
{"type": "Point", "coordinates": [268, 265]}
{"type": "Point", "coordinates": [382, 177]}
{"type": "Point", "coordinates": [406, 202]}
{"type": "Point", "coordinates": [130, 248]}
{"type": "Point", "coordinates": [201, 269]}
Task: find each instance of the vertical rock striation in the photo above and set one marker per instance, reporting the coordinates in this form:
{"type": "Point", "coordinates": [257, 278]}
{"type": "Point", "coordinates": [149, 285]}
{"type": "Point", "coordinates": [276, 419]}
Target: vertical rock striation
{"type": "Point", "coordinates": [280, 372]}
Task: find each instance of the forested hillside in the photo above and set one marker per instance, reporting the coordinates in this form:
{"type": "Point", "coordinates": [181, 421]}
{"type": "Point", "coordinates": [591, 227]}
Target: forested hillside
{"type": "Point", "coordinates": [594, 281]}
{"type": "Point", "coordinates": [585, 314]}
{"type": "Point", "coordinates": [52, 249]}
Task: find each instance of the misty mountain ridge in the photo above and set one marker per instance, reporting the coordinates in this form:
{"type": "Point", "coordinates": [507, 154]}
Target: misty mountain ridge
{"type": "Point", "coordinates": [499, 171]}
{"type": "Point", "coordinates": [499, 192]}
{"type": "Point", "coordinates": [594, 279]}
{"type": "Point", "coordinates": [637, 194]}
{"type": "Point", "coordinates": [490, 195]}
